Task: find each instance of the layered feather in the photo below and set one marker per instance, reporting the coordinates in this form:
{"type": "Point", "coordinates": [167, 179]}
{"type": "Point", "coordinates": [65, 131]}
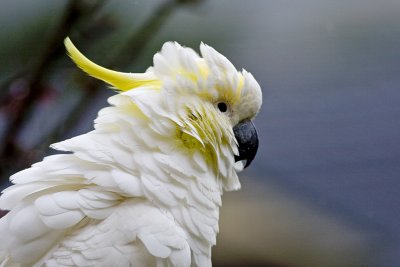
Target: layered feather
{"type": "Point", "coordinates": [144, 187]}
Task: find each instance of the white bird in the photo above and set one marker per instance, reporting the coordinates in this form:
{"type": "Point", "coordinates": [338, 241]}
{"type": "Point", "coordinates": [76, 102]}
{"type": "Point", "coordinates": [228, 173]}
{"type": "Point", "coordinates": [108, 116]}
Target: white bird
{"type": "Point", "coordinates": [144, 187]}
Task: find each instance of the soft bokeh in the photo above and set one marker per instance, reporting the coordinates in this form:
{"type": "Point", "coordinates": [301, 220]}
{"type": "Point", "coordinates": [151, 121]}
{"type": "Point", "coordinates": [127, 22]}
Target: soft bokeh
{"type": "Point", "coordinates": [324, 188]}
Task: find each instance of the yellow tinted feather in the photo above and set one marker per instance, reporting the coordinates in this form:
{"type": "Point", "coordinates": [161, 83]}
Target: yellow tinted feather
{"type": "Point", "coordinates": [120, 80]}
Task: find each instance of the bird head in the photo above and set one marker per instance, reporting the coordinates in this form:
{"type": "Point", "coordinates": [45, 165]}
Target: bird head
{"type": "Point", "coordinates": [200, 101]}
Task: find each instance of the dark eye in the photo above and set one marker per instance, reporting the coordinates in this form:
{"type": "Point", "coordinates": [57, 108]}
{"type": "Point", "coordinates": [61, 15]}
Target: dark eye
{"type": "Point", "coordinates": [223, 107]}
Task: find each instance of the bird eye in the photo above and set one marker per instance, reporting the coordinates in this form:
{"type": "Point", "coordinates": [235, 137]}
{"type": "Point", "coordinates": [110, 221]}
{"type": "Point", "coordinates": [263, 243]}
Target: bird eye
{"type": "Point", "coordinates": [223, 107]}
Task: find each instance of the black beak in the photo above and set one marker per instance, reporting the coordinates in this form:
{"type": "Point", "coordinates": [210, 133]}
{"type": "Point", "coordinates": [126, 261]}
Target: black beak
{"type": "Point", "coordinates": [246, 136]}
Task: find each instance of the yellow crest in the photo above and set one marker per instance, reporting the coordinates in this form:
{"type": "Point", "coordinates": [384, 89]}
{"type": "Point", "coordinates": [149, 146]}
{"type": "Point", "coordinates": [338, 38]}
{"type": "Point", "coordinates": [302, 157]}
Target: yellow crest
{"type": "Point", "coordinates": [122, 81]}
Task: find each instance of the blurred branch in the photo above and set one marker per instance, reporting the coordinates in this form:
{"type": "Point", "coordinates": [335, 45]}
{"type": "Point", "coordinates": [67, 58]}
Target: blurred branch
{"type": "Point", "coordinates": [127, 54]}
{"type": "Point", "coordinates": [5, 83]}
{"type": "Point", "coordinates": [11, 154]}
{"type": "Point", "coordinates": [34, 86]}
{"type": "Point", "coordinates": [131, 50]}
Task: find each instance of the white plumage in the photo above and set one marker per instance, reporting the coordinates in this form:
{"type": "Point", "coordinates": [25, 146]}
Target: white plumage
{"type": "Point", "coordinates": [144, 187]}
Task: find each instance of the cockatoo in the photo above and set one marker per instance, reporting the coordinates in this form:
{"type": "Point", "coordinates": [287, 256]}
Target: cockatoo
{"type": "Point", "coordinates": [144, 187]}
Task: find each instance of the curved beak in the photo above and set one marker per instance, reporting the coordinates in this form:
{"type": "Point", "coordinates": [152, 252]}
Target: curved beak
{"type": "Point", "coordinates": [246, 136]}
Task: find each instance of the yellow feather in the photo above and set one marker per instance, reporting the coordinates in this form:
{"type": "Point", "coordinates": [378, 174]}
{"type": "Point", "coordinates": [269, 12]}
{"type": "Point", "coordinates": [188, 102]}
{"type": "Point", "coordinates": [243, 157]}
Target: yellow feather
{"type": "Point", "coordinates": [120, 80]}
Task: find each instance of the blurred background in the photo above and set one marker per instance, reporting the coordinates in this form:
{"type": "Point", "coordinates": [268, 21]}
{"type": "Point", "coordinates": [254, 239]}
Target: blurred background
{"type": "Point", "coordinates": [324, 188]}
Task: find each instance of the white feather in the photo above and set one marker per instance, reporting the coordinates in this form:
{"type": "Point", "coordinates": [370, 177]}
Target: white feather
{"type": "Point", "coordinates": [132, 192]}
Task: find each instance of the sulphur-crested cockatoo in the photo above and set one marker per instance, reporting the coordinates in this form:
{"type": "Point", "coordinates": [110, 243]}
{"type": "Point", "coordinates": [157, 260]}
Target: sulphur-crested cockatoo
{"type": "Point", "coordinates": [144, 187]}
